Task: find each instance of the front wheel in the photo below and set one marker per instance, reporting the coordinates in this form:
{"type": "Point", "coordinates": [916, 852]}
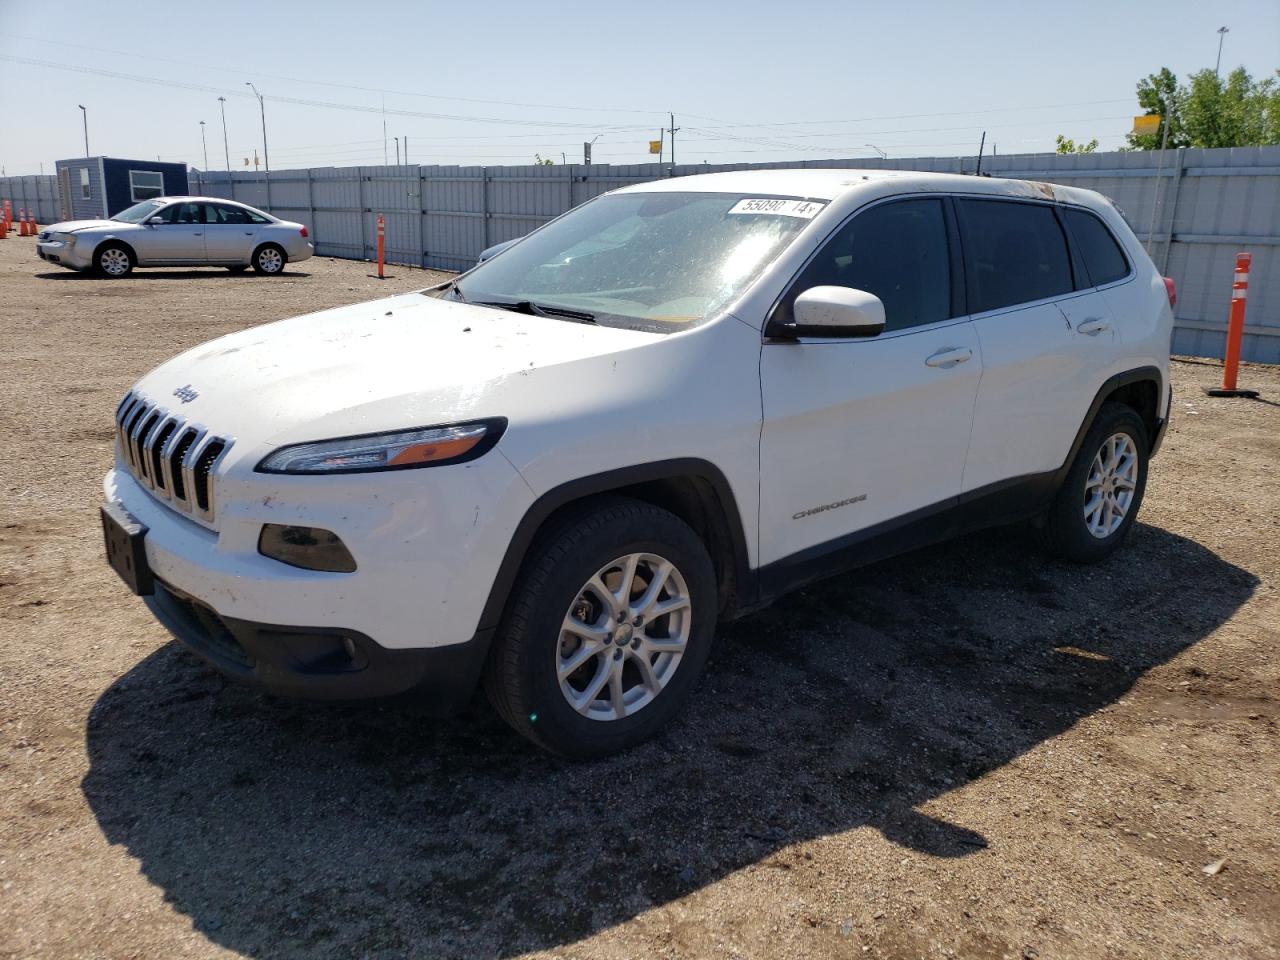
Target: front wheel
{"type": "Point", "coordinates": [113, 260]}
{"type": "Point", "coordinates": [1100, 497]}
{"type": "Point", "coordinates": [609, 627]}
{"type": "Point", "coordinates": [269, 259]}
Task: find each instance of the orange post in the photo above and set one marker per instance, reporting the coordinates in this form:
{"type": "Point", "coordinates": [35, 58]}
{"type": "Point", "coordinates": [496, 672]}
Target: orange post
{"type": "Point", "coordinates": [1235, 332]}
{"type": "Point", "coordinates": [382, 235]}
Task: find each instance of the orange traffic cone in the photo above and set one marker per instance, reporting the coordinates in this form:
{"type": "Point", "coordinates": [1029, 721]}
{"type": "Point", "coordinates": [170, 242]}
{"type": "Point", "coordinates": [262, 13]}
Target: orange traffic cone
{"type": "Point", "coordinates": [4, 229]}
{"type": "Point", "coordinates": [33, 227]}
{"type": "Point", "coordinates": [22, 224]}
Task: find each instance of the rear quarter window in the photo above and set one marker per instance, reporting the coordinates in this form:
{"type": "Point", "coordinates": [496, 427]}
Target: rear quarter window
{"type": "Point", "coordinates": [1014, 253]}
{"type": "Point", "coordinates": [1104, 259]}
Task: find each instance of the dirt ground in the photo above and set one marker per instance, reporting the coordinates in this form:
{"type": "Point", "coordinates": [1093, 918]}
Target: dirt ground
{"type": "Point", "coordinates": [966, 752]}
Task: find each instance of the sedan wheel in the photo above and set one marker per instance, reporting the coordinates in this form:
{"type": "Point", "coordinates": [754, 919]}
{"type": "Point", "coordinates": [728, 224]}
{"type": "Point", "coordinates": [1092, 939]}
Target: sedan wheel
{"type": "Point", "coordinates": [269, 260]}
{"type": "Point", "coordinates": [115, 261]}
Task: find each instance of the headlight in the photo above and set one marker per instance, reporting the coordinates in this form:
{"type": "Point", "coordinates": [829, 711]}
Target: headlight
{"type": "Point", "coordinates": [401, 450]}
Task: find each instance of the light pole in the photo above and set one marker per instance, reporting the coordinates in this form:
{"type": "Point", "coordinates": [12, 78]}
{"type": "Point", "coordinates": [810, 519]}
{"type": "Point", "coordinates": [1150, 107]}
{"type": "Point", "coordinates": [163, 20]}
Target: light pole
{"type": "Point", "coordinates": [1222, 35]}
{"type": "Point", "coordinates": [85, 116]}
{"type": "Point", "coordinates": [266, 157]}
{"type": "Point", "coordinates": [222, 105]}
{"type": "Point", "coordinates": [205, 145]}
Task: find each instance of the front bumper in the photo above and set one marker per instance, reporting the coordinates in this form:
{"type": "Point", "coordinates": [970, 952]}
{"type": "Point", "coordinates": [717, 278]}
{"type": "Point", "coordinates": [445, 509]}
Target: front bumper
{"type": "Point", "coordinates": [63, 253]}
{"type": "Point", "coordinates": [320, 663]}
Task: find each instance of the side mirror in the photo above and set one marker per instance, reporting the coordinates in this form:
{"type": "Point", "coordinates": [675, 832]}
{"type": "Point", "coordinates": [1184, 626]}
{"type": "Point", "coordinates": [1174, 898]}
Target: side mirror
{"type": "Point", "coordinates": [835, 312]}
{"type": "Point", "coordinates": [154, 221]}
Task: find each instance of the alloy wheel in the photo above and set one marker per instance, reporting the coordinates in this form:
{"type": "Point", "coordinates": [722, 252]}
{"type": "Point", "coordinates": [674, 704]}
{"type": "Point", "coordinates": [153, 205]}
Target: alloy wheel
{"type": "Point", "coordinates": [270, 261]}
{"type": "Point", "coordinates": [1110, 486]}
{"type": "Point", "coordinates": [623, 637]}
{"type": "Point", "coordinates": [114, 262]}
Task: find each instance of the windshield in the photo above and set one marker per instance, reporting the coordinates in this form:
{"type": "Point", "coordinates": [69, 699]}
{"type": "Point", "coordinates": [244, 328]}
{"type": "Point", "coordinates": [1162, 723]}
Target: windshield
{"type": "Point", "coordinates": [138, 212]}
{"type": "Point", "coordinates": [651, 261]}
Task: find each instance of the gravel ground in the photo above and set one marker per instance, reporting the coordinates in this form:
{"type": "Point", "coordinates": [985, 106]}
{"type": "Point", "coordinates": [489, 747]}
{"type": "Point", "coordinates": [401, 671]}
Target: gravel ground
{"type": "Point", "coordinates": [969, 751]}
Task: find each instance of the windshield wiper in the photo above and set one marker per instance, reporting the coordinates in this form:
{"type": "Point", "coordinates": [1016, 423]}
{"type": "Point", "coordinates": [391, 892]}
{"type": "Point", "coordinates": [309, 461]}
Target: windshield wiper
{"type": "Point", "coordinates": [538, 309]}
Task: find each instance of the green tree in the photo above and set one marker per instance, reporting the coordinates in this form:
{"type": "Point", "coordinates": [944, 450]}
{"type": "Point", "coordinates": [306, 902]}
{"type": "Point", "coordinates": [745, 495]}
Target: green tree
{"type": "Point", "coordinates": [539, 161]}
{"type": "Point", "coordinates": [1159, 93]}
{"type": "Point", "coordinates": [1066, 145]}
{"type": "Point", "coordinates": [1209, 111]}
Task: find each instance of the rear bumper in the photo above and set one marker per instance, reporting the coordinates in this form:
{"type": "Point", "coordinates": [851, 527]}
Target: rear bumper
{"type": "Point", "coordinates": [320, 663]}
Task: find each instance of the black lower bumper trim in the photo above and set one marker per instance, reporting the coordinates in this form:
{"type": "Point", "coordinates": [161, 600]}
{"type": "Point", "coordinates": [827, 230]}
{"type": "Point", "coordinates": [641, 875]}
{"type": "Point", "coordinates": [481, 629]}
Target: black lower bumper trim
{"type": "Point", "coordinates": [321, 663]}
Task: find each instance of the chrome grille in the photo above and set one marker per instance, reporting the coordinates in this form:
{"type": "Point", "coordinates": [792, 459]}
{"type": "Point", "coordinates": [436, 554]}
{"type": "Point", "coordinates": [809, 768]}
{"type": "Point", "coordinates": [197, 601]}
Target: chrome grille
{"type": "Point", "coordinates": [170, 456]}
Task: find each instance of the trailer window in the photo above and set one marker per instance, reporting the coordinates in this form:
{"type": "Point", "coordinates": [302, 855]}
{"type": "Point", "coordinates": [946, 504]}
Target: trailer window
{"type": "Point", "coordinates": [84, 183]}
{"type": "Point", "coordinates": [145, 185]}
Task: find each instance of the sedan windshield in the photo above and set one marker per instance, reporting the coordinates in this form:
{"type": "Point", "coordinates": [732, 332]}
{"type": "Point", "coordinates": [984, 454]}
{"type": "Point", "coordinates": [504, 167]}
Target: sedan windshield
{"type": "Point", "coordinates": [138, 212]}
{"type": "Point", "coordinates": [650, 261]}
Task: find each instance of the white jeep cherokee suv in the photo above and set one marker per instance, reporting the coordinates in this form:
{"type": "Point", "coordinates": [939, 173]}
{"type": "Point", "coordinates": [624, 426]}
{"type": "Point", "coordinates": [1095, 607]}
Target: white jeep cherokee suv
{"type": "Point", "coordinates": [664, 408]}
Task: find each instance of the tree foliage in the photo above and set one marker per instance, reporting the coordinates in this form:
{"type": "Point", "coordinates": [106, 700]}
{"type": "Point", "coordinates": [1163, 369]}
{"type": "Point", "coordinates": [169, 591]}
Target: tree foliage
{"type": "Point", "coordinates": [1208, 111]}
{"type": "Point", "coordinates": [540, 161]}
{"type": "Point", "coordinates": [1067, 145]}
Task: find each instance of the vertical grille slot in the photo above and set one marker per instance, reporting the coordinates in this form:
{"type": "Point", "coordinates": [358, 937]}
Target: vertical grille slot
{"type": "Point", "coordinates": [172, 457]}
{"type": "Point", "coordinates": [203, 467]}
{"type": "Point", "coordinates": [175, 462]}
{"type": "Point", "coordinates": [156, 448]}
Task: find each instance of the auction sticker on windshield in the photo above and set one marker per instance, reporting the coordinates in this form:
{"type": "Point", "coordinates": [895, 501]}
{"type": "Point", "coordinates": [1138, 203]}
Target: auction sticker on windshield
{"type": "Point", "coordinates": [804, 209]}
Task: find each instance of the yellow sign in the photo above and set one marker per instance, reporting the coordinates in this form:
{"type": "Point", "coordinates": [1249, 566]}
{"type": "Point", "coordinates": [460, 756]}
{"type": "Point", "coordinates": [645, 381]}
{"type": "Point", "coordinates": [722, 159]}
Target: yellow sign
{"type": "Point", "coordinates": [1150, 123]}
{"type": "Point", "coordinates": [655, 146]}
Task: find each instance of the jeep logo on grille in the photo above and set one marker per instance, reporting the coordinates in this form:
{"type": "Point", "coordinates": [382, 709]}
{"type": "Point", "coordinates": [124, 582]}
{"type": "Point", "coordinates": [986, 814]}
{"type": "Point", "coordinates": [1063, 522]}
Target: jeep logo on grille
{"type": "Point", "coordinates": [185, 394]}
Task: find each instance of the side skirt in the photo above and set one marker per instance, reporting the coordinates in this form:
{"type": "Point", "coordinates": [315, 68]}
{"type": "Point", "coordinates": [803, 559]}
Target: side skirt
{"type": "Point", "coordinates": [999, 503]}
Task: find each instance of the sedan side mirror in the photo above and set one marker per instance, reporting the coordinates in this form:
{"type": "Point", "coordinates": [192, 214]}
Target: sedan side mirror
{"type": "Point", "coordinates": [154, 221]}
{"type": "Point", "coordinates": [835, 312]}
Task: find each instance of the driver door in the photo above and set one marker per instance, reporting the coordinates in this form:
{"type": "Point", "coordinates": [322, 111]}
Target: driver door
{"type": "Point", "coordinates": [862, 435]}
{"type": "Point", "coordinates": [179, 239]}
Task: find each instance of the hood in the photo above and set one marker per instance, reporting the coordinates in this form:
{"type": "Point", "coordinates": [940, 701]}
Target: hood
{"type": "Point", "coordinates": [71, 226]}
{"type": "Point", "coordinates": [391, 364]}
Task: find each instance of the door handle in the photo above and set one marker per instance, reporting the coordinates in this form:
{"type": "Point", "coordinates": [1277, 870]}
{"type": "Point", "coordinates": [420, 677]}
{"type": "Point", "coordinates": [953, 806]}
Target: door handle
{"type": "Point", "coordinates": [1093, 325]}
{"type": "Point", "coordinates": [949, 357]}
{"type": "Point", "coordinates": [198, 233]}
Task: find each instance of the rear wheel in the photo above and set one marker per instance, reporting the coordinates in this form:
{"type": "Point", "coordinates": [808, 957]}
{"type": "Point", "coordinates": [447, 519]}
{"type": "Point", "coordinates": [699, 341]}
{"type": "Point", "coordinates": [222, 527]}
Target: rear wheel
{"type": "Point", "coordinates": [1100, 498]}
{"type": "Point", "coordinates": [269, 259]}
{"type": "Point", "coordinates": [113, 260]}
{"type": "Point", "coordinates": [609, 627]}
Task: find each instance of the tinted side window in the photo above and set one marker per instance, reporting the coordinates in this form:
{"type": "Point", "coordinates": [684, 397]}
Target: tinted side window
{"type": "Point", "coordinates": [1103, 258]}
{"type": "Point", "coordinates": [898, 251]}
{"type": "Point", "coordinates": [188, 213]}
{"type": "Point", "coordinates": [217, 213]}
{"type": "Point", "coordinates": [1013, 252]}
{"type": "Point", "coordinates": [255, 217]}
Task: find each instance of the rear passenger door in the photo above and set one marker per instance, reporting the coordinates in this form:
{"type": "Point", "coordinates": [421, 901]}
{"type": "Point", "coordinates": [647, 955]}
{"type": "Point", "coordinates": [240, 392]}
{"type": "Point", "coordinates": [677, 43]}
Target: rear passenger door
{"type": "Point", "coordinates": [1044, 343]}
{"type": "Point", "coordinates": [860, 433]}
{"type": "Point", "coordinates": [229, 234]}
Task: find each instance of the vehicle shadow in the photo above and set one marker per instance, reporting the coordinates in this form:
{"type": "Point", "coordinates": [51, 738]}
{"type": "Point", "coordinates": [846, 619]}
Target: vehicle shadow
{"type": "Point", "coordinates": [163, 273]}
{"type": "Point", "coordinates": [287, 829]}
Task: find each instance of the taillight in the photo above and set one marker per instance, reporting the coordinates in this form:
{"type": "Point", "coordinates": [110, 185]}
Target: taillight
{"type": "Point", "coordinates": [303, 231]}
{"type": "Point", "coordinates": [1169, 289]}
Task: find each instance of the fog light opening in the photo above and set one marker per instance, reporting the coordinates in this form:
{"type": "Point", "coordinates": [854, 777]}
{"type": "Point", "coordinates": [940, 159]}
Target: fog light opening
{"type": "Point", "coordinates": [311, 548]}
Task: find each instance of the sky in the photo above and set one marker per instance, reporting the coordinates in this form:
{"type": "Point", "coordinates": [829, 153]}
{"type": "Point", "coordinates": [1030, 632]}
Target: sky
{"type": "Point", "coordinates": [498, 82]}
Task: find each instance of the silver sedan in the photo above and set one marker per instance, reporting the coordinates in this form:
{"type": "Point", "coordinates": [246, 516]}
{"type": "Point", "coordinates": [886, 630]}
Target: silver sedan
{"type": "Point", "coordinates": [177, 231]}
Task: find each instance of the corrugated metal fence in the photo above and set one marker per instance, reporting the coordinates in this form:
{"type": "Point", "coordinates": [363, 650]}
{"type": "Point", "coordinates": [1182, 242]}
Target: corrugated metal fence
{"type": "Point", "coordinates": [37, 192]}
{"type": "Point", "coordinates": [1199, 206]}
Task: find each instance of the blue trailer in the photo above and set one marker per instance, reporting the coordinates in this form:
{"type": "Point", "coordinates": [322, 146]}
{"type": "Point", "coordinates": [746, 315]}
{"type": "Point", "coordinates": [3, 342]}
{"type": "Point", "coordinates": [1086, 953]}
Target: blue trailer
{"type": "Point", "coordinates": [93, 187]}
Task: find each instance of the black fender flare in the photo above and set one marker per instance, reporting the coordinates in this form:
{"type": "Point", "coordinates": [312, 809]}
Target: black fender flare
{"type": "Point", "coordinates": [608, 482]}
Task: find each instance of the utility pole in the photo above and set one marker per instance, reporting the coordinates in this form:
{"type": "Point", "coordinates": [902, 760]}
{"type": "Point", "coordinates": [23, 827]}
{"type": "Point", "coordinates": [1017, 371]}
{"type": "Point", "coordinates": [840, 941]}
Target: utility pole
{"type": "Point", "coordinates": [397, 139]}
{"type": "Point", "coordinates": [222, 105]}
{"type": "Point", "coordinates": [406, 151]}
{"type": "Point", "coordinates": [673, 128]}
{"type": "Point", "coordinates": [204, 144]}
{"type": "Point", "coordinates": [384, 131]}
{"type": "Point", "coordinates": [85, 116]}
{"type": "Point", "coordinates": [266, 157]}
{"type": "Point", "coordinates": [586, 149]}
{"type": "Point", "coordinates": [1222, 34]}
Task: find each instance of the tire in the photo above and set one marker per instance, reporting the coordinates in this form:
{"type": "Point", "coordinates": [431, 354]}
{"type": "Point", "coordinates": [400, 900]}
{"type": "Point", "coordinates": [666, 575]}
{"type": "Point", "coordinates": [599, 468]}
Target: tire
{"type": "Point", "coordinates": [523, 676]}
{"type": "Point", "coordinates": [1080, 525]}
{"type": "Point", "coordinates": [113, 260]}
{"type": "Point", "coordinates": [269, 259]}
{"type": "Point", "coordinates": [238, 268]}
